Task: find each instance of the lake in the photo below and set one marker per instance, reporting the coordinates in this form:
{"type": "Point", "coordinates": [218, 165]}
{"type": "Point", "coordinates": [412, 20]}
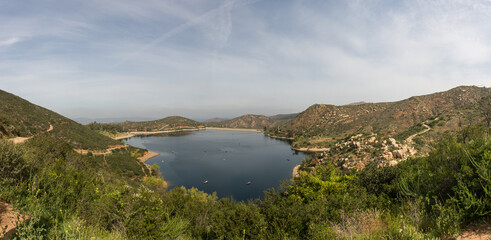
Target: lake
{"type": "Point", "coordinates": [226, 159]}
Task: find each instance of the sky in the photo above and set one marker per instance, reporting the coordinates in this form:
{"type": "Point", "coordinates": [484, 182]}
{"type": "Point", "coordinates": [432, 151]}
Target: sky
{"type": "Point", "coordinates": [224, 58]}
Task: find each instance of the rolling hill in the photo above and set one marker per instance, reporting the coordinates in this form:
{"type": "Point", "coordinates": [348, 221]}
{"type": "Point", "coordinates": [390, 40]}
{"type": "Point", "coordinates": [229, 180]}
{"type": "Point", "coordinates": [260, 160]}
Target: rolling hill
{"type": "Point", "coordinates": [20, 118]}
{"type": "Point", "coordinates": [386, 119]}
{"type": "Point", "coordinates": [253, 121]}
{"type": "Point", "coordinates": [354, 135]}
{"type": "Point", "coordinates": [168, 123]}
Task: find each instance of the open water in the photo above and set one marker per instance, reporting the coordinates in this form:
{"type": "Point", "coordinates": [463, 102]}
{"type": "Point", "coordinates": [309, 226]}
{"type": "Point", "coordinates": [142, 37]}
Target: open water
{"type": "Point", "coordinates": [227, 160]}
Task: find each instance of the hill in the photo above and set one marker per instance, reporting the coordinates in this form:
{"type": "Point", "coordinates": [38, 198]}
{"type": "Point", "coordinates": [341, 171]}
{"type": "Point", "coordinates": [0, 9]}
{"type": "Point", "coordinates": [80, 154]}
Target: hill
{"type": "Point", "coordinates": [359, 133]}
{"type": "Point", "coordinates": [20, 118]}
{"type": "Point", "coordinates": [382, 118]}
{"type": "Point", "coordinates": [253, 121]}
{"type": "Point", "coordinates": [168, 123]}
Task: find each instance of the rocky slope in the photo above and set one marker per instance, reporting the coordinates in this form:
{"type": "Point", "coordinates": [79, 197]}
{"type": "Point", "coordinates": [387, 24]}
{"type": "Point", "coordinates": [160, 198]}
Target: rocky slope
{"type": "Point", "coordinates": [389, 132]}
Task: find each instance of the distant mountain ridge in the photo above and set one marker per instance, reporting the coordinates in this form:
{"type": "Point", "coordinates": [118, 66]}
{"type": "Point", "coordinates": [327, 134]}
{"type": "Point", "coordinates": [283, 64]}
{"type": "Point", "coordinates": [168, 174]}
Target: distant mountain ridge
{"type": "Point", "coordinates": [253, 121]}
{"type": "Point", "coordinates": [215, 120]}
{"type": "Point", "coordinates": [172, 122]}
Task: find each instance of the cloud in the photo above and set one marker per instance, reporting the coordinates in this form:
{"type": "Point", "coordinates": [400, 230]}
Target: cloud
{"type": "Point", "coordinates": [224, 26]}
{"type": "Point", "coordinates": [9, 41]}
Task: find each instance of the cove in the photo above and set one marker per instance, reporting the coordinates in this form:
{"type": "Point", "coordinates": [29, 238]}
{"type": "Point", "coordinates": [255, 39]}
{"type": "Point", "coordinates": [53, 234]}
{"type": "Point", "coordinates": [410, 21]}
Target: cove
{"type": "Point", "coordinates": [227, 160]}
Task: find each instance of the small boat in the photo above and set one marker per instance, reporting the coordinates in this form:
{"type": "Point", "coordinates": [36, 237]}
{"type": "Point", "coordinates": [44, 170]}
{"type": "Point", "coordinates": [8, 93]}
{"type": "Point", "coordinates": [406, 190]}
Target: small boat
{"type": "Point", "coordinates": [205, 182]}
{"type": "Point", "coordinates": [248, 183]}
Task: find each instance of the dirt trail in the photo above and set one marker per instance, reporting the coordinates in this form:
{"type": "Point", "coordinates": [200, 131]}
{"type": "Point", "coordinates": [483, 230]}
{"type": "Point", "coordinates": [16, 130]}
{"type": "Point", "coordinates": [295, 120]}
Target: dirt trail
{"type": "Point", "coordinates": [410, 138]}
{"type": "Point", "coordinates": [109, 150]}
{"type": "Point", "coordinates": [18, 140]}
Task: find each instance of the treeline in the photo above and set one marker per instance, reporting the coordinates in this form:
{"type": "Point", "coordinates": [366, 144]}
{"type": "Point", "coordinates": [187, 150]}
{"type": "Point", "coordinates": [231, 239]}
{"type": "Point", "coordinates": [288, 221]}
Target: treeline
{"type": "Point", "coordinates": [106, 127]}
{"type": "Point", "coordinates": [69, 196]}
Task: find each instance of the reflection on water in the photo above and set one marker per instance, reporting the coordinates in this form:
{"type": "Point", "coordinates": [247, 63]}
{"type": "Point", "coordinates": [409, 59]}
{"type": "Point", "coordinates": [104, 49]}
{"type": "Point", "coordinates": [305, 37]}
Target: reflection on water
{"type": "Point", "coordinates": [227, 160]}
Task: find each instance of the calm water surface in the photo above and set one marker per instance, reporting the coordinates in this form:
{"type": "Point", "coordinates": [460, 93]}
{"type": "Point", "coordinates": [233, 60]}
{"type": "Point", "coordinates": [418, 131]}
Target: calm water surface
{"type": "Point", "coordinates": [226, 159]}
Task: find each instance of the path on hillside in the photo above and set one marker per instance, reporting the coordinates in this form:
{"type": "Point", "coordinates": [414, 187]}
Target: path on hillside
{"type": "Point", "coordinates": [18, 140]}
{"type": "Point", "coordinates": [109, 150]}
{"type": "Point", "coordinates": [409, 140]}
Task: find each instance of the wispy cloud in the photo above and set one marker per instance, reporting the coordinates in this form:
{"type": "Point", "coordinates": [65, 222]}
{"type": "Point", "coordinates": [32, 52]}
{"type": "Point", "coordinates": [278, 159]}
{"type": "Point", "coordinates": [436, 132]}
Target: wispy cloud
{"type": "Point", "coordinates": [224, 26]}
{"type": "Point", "coordinates": [9, 41]}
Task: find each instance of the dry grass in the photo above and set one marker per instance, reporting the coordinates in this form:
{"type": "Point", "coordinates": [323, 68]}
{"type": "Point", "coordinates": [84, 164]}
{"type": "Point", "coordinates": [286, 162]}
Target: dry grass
{"type": "Point", "coordinates": [358, 225]}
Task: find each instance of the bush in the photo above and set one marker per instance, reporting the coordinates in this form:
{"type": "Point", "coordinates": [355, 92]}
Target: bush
{"type": "Point", "coordinates": [12, 163]}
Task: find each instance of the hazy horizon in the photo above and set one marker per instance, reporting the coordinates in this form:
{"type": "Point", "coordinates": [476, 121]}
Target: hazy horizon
{"type": "Point", "coordinates": [206, 59]}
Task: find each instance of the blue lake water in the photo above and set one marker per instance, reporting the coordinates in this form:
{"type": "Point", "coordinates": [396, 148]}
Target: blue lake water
{"type": "Point", "coordinates": [226, 159]}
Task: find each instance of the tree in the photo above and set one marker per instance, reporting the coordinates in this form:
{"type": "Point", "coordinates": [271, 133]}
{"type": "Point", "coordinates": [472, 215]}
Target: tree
{"type": "Point", "coordinates": [485, 107]}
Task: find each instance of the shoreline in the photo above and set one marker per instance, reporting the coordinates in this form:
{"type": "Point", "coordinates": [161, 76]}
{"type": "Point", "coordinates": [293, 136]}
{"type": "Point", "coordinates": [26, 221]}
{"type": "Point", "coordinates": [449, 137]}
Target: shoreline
{"type": "Point", "coordinates": [306, 149]}
{"type": "Point", "coordinates": [134, 134]}
{"type": "Point", "coordinates": [295, 171]}
{"type": "Point", "coordinates": [278, 137]}
{"type": "Point", "coordinates": [147, 156]}
{"type": "Point", "coordinates": [235, 129]}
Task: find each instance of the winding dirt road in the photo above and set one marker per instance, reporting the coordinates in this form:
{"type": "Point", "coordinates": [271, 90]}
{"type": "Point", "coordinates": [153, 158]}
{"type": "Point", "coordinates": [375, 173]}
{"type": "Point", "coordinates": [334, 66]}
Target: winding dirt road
{"type": "Point", "coordinates": [109, 150]}
{"type": "Point", "coordinates": [410, 138]}
{"type": "Point", "coordinates": [18, 140]}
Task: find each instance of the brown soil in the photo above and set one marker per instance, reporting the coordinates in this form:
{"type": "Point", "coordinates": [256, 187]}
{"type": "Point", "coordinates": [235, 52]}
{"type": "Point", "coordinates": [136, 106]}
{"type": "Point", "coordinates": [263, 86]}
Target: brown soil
{"type": "Point", "coordinates": [8, 220]}
{"type": "Point", "coordinates": [18, 140]}
{"type": "Point", "coordinates": [148, 155]}
{"type": "Point", "coordinates": [477, 232]}
{"type": "Point", "coordinates": [295, 171]}
{"type": "Point", "coordinates": [311, 149]}
{"type": "Point", "coordinates": [100, 152]}
{"type": "Point", "coordinates": [235, 129]}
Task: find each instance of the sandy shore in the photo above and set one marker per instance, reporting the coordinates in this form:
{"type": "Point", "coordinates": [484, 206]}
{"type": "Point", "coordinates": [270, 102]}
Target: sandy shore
{"type": "Point", "coordinates": [235, 129]}
{"type": "Point", "coordinates": [295, 171]}
{"type": "Point", "coordinates": [311, 149]}
{"type": "Point", "coordinates": [132, 134]}
{"type": "Point", "coordinates": [278, 137]}
{"type": "Point", "coordinates": [148, 155]}
{"type": "Point", "coordinates": [123, 136]}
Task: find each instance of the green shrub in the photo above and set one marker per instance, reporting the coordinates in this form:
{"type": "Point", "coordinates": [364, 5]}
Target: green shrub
{"type": "Point", "coordinates": [12, 163]}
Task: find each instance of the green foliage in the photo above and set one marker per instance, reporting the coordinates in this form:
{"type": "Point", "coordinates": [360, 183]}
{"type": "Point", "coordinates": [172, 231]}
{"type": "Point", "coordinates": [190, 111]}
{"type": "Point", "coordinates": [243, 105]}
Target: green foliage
{"type": "Point", "coordinates": [82, 137]}
{"type": "Point", "coordinates": [12, 163]}
{"type": "Point", "coordinates": [19, 117]}
{"type": "Point", "coordinates": [123, 164]}
{"type": "Point", "coordinates": [106, 127]}
{"type": "Point", "coordinates": [173, 122]}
